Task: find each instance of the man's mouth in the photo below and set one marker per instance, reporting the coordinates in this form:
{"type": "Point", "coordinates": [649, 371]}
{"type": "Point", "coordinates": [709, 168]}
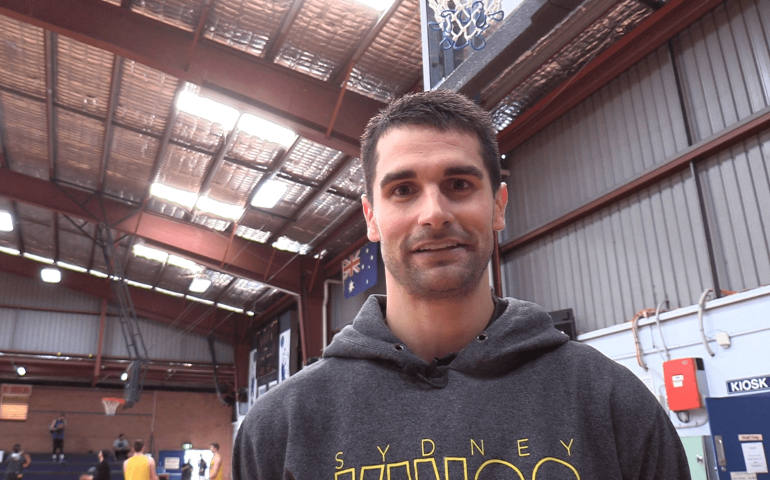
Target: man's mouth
{"type": "Point", "coordinates": [438, 246]}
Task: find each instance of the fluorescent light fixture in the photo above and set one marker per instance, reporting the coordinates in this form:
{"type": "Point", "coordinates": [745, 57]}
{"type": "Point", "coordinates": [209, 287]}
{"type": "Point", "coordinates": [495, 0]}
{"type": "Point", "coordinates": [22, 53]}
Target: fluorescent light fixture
{"type": "Point", "coordinates": [38, 258]}
{"type": "Point", "coordinates": [199, 300]}
{"type": "Point", "coordinates": [269, 194]}
{"type": "Point", "coordinates": [50, 275]}
{"type": "Point", "coordinates": [211, 110]}
{"type": "Point", "coordinates": [199, 284]}
{"type": "Point", "coordinates": [321, 254]}
{"type": "Point", "coordinates": [289, 245]}
{"type": "Point", "coordinates": [266, 130]}
{"type": "Point", "coordinates": [253, 234]}
{"type": "Point", "coordinates": [116, 278]}
{"type": "Point", "coordinates": [249, 313]}
{"type": "Point", "coordinates": [173, 195]}
{"type": "Point", "coordinates": [378, 5]}
{"type": "Point", "coordinates": [224, 306]}
{"type": "Point", "coordinates": [169, 292]}
{"type": "Point", "coordinates": [72, 267]}
{"type": "Point", "coordinates": [21, 371]}
{"type": "Point", "coordinates": [220, 209]}
{"type": "Point", "coordinates": [184, 263]}
{"type": "Point", "coordinates": [10, 251]}
{"type": "Point", "coordinates": [138, 284]}
{"type": "Point", "coordinates": [97, 273]}
{"type": "Point", "coordinates": [142, 250]}
{"type": "Point", "coordinates": [124, 376]}
{"type": "Point", "coordinates": [6, 221]}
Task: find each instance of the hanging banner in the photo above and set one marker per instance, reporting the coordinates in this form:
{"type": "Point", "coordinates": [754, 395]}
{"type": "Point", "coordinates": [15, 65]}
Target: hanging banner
{"type": "Point", "coordinates": [284, 355]}
{"type": "Point", "coordinates": [359, 271]}
{"type": "Point", "coordinates": [252, 377]}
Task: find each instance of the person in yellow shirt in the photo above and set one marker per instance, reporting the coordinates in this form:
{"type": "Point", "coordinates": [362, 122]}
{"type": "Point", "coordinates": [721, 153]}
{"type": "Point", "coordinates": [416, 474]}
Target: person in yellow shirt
{"type": "Point", "coordinates": [139, 466]}
{"type": "Point", "coordinates": [215, 470]}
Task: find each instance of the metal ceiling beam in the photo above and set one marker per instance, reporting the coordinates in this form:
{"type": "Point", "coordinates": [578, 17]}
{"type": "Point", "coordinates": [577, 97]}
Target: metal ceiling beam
{"type": "Point", "coordinates": [651, 33]}
{"type": "Point", "coordinates": [50, 97]}
{"type": "Point", "coordinates": [292, 98]}
{"type": "Point", "coordinates": [339, 73]}
{"type": "Point", "coordinates": [195, 242]}
{"type": "Point", "coordinates": [303, 207]}
{"type": "Point", "coordinates": [151, 305]}
{"type": "Point", "coordinates": [117, 71]}
{"type": "Point", "coordinates": [274, 45]}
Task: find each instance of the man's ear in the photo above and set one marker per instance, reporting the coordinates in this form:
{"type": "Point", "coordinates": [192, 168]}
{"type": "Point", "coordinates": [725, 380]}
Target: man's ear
{"type": "Point", "coordinates": [501, 201]}
{"type": "Point", "coordinates": [372, 232]}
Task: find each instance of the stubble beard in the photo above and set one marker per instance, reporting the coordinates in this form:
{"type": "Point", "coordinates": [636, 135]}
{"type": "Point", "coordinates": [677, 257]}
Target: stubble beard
{"type": "Point", "coordinates": [439, 281]}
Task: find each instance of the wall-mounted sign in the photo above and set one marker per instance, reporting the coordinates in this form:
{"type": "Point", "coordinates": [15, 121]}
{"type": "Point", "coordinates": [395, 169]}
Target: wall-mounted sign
{"type": "Point", "coordinates": [751, 384]}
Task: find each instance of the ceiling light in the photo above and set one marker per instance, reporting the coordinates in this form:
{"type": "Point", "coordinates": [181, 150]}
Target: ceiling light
{"type": "Point", "coordinates": [224, 306]}
{"type": "Point", "coordinates": [266, 130]}
{"type": "Point", "coordinates": [38, 258]}
{"type": "Point", "coordinates": [199, 284]}
{"type": "Point", "coordinates": [139, 284]}
{"type": "Point", "coordinates": [169, 292]}
{"type": "Point", "coordinates": [97, 273]}
{"type": "Point", "coordinates": [70, 266]}
{"type": "Point", "coordinates": [10, 251]}
{"type": "Point", "coordinates": [269, 194]}
{"type": "Point", "coordinates": [184, 263]}
{"type": "Point", "coordinates": [376, 4]}
{"type": "Point", "coordinates": [124, 376]}
{"type": "Point", "coordinates": [253, 234]}
{"type": "Point", "coordinates": [6, 221]}
{"type": "Point", "coordinates": [250, 313]}
{"type": "Point", "coordinates": [173, 195]}
{"type": "Point", "coordinates": [190, 102]}
{"type": "Point", "coordinates": [21, 370]}
{"type": "Point", "coordinates": [220, 209]}
{"type": "Point", "coordinates": [142, 250]}
{"type": "Point", "coordinates": [50, 275]}
{"type": "Point", "coordinates": [287, 244]}
{"type": "Point", "coordinates": [199, 300]}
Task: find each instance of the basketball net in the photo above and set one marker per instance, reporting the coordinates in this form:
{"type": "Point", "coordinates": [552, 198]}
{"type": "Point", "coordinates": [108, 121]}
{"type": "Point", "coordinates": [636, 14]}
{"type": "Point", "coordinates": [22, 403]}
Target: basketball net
{"type": "Point", "coordinates": [463, 22]}
{"type": "Point", "coordinates": [111, 405]}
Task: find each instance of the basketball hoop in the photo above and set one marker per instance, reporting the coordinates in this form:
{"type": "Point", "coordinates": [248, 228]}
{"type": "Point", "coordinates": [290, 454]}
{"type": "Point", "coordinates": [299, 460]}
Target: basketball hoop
{"type": "Point", "coordinates": [111, 405]}
{"type": "Point", "coordinates": [463, 22]}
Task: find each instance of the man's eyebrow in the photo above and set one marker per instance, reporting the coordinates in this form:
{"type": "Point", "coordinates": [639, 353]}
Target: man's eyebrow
{"type": "Point", "coordinates": [395, 176]}
{"type": "Point", "coordinates": [464, 170]}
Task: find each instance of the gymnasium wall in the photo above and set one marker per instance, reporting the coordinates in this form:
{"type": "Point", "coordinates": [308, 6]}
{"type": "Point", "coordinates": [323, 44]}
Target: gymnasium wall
{"type": "Point", "coordinates": [169, 418]}
{"type": "Point", "coordinates": [651, 246]}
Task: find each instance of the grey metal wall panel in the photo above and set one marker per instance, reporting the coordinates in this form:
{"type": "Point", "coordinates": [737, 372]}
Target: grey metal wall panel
{"type": "Point", "coordinates": [724, 64]}
{"type": "Point", "coordinates": [8, 319]}
{"type": "Point", "coordinates": [626, 257]}
{"type": "Point", "coordinates": [54, 332]}
{"type": "Point", "coordinates": [626, 128]}
{"type": "Point", "coordinates": [32, 292]}
{"type": "Point", "coordinates": [736, 186]}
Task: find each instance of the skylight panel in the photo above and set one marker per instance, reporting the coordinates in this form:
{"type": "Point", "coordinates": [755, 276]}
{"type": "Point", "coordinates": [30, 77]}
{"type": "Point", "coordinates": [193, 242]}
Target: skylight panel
{"type": "Point", "coordinates": [173, 195]}
{"type": "Point", "coordinates": [287, 244]}
{"type": "Point", "coordinates": [266, 130]}
{"type": "Point", "coordinates": [150, 253]}
{"type": "Point", "coordinates": [269, 194]}
{"type": "Point", "coordinates": [6, 221]}
{"type": "Point", "coordinates": [220, 209]}
{"type": "Point", "coordinates": [190, 102]}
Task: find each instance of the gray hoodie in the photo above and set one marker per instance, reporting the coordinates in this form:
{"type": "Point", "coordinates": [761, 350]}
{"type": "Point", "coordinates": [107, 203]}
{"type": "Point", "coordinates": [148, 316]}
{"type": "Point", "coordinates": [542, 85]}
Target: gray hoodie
{"type": "Point", "coordinates": [518, 402]}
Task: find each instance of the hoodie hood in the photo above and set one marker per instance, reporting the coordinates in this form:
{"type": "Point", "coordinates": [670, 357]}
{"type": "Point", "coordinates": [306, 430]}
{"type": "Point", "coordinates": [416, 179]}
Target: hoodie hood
{"type": "Point", "coordinates": [521, 332]}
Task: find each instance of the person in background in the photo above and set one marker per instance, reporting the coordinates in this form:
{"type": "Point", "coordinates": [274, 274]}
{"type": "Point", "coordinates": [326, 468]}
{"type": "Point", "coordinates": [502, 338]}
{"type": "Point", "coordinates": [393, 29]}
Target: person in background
{"type": "Point", "coordinates": [187, 470]}
{"type": "Point", "coordinates": [57, 435]}
{"type": "Point", "coordinates": [103, 469]}
{"type": "Point", "coordinates": [202, 468]}
{"type": "Point", "coordinates": [16, 462]}
{"type": "Point", "coordinates": [216, 471]}
{"type": "Point", "coordinates": [139, 466]}
{"type": "Point", "coordinates": [121, 447]}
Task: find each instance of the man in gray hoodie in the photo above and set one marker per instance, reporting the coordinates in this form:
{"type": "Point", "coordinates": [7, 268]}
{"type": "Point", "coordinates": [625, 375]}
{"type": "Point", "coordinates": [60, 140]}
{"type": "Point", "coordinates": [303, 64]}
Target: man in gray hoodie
{"type": "Point", "coordinates": [439, 379]}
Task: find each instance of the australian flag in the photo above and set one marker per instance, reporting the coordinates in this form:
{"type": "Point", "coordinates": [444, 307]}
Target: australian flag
{"type": "Point", "coordinates": [359, 271]}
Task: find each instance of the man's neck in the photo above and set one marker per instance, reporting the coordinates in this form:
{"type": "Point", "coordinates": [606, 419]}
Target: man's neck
{"type": "Point", "coordinates": [434, 328]}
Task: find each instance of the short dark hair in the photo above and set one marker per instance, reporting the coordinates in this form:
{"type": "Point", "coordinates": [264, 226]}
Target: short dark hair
{"type": "Point", "coordinates": [138, 444]}
{"type": "Point", "coordinates": [440, 109]}
{"type": "Point", "coordinates": [215, 445]}
{"type": "Point", "coordinates": [16, 448]}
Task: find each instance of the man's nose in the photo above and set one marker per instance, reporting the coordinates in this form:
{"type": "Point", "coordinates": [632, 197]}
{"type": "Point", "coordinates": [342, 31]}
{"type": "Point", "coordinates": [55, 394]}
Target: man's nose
{"type": "Point", "coordinates": [434, 209]}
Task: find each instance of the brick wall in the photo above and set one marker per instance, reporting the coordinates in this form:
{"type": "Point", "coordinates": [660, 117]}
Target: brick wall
{"type": "Point", "coordinates": [170, 417]}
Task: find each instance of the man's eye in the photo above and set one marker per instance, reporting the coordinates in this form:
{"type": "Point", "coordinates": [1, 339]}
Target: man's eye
{"type": "Point", "coordinates": [402, 190]}
{"type": "Point", "coordinates": [460, 184]}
